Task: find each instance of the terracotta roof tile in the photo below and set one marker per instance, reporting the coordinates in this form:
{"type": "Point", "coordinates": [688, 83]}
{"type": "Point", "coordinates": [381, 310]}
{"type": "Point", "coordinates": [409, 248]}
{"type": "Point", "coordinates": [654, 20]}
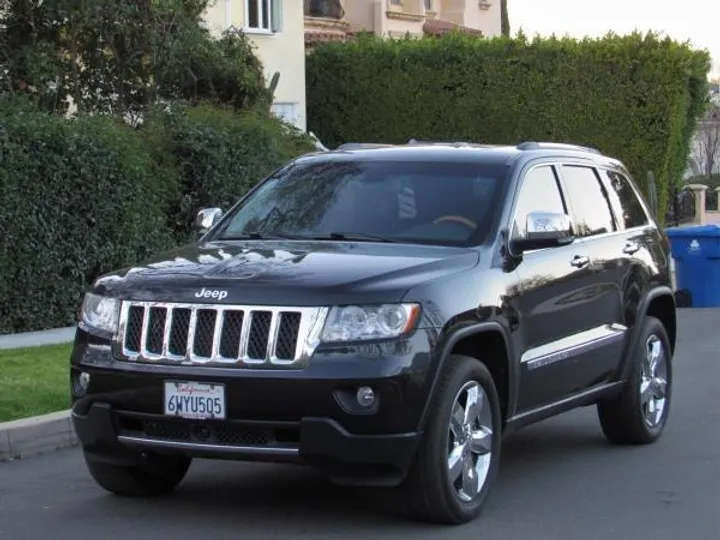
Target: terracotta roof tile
{"type": "Point", "coordinates": [439, 27]}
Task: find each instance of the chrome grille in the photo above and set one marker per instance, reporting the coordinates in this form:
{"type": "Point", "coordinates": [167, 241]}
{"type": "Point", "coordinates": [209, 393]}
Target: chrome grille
{"type": "Point", "coordinates": [249, 336]}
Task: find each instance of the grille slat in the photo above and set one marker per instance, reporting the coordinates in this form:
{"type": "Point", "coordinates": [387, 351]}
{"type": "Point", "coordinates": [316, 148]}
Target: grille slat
{"type": "Point", "coordinates": [230, 335]}
{"type": "Point", "coordinates": [156, 330]}
{"type": "Point", "coordinates": [226, 335]}
{"type": "Point", "coordinates": [179, 332]}
{"type": "Point", "coordinates": [287, 336]}
{"type": "Point", "coordinates": [259, 334]}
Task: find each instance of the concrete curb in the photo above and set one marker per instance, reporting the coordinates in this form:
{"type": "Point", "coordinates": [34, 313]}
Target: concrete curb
{"type": "Point", "coordinates": [28, 437]}
{"type": "Point", "coordinates": [36, 339]}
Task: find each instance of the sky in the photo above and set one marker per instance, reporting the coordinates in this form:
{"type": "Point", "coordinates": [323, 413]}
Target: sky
{"type": "Point", "coordinates": [686, 20]}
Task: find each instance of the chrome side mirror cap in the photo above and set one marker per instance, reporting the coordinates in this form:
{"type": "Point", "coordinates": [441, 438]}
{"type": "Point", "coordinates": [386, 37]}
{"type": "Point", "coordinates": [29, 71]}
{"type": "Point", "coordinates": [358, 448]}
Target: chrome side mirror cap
{"type": "Point", "coordinates": [545, 230]}
{"type": "Point", "coordinates": [207, 218]}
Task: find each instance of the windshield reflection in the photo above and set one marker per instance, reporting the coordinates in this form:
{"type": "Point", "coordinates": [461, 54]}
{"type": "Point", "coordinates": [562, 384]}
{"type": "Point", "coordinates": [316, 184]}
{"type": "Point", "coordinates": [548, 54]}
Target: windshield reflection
{"type": "Point", "coordinates": [373, 201]}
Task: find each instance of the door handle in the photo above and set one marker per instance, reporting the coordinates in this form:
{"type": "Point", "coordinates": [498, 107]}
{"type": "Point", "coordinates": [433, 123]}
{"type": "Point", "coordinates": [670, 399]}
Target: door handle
{"type": "Point", "coordinates": [580, 261]}
{"type": "Point", "coordinates": [631, 248]}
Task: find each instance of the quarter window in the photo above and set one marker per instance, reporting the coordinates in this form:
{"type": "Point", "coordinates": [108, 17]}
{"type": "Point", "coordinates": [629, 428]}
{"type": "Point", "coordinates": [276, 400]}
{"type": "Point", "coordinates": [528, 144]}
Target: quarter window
{"type": "Point", "coordinates": [588, 201]}
{"type": "Point", "coordinates": [632, 213]}
{"type": "Point", "coordinates": [539, 193]}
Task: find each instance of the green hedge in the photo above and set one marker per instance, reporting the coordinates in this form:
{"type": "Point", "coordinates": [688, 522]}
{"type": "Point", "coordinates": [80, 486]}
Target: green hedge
{"type": "Point", "coordinates": [77, 198]}
{"type": "Point", "coordinates": [218, 154]}
{"type": "Point", "coordinates": [636, 97]}
{"type": "Point", "coordinates": [81, 197]}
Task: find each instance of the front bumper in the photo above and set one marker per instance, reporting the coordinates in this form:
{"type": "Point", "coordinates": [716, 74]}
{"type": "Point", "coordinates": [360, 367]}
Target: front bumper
{"type": "Point", "coordinates": [118, 436]}
{"type": "Point", "coordinates": [304, 416]}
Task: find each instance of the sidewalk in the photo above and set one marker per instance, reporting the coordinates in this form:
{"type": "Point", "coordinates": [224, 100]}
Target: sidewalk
{"type": "Point", "coordinates": [34, 339]}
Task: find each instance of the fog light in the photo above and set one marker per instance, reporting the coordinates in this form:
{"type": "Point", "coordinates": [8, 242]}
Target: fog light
{"type": "Point", "coordinates": [84, 380]}
{"type": "Point", "coordinates": [365, 396]}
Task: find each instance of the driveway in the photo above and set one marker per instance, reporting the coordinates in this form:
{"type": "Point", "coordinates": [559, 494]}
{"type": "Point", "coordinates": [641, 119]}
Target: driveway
{"type": "Point", "coordinates": [559, 480]}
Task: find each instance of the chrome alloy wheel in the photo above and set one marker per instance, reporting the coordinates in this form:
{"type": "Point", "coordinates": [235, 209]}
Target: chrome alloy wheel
{"type": "Point", "coordinates": [653, 381]}
{"type": "Point", "coordinates": [470, 437]}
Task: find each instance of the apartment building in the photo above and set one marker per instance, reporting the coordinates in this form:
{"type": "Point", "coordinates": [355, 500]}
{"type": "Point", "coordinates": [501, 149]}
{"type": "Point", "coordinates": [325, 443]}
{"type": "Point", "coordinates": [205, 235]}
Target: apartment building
{"type": "Point", "coordinates": [276, 27]}
{"type": "Point", "coordinates": [327, 20]}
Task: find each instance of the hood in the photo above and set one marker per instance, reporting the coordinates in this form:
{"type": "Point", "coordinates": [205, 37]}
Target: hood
{"type": "Point", "coordinates": [286, 272]}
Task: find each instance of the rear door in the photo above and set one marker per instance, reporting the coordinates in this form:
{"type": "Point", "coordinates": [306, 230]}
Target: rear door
{"type": "Point", "coordinates": [603, 322]}
{"type": "Point", "coordinates": [637, 244]}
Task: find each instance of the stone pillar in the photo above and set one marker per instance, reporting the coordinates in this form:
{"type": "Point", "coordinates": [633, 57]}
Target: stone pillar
{"type": "Point", "coordinates": [698, 191]}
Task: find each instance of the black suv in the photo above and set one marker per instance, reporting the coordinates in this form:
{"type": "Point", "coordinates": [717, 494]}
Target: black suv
{"type": "Point", "coordinates": [385, 313]}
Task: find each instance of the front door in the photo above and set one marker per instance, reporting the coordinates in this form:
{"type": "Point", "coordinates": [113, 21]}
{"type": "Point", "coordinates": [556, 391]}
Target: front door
{"type": "Point", "coordinates": [555, 293]}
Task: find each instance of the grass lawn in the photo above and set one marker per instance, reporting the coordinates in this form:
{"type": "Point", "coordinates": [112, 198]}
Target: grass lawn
{"type": "Point", "coordinates": [34, 381]}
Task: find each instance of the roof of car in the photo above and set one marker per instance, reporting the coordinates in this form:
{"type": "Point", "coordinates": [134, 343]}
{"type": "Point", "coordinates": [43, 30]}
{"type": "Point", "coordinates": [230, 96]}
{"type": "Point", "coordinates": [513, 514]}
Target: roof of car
{"type": "Point", "coordinates": [454, 151]}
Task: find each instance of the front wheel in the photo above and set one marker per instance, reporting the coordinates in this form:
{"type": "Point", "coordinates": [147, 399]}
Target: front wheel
{"type": "Point", "coordinates": [156, 475]}
{"type": "Point", "coordinates": [458, 459]}
{"type": "Point", "coordinates": [639, 414]}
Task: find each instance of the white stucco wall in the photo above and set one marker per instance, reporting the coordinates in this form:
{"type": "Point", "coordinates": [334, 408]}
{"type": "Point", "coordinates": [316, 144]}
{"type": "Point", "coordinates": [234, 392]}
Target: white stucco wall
{"type": "Point", "coordinates": [487, 19]}
{"type": "Point", "coordinates": [282, 51]}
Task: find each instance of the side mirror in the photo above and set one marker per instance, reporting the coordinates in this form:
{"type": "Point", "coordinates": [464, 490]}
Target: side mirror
{"type": "Point", "coordinates": [545, 230]}
{"type": "Point", "coordinates": [206, 219]}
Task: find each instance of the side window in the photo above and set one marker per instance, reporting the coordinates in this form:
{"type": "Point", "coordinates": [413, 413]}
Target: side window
{"type": "Point", "coordinates": [588, 201]}
{"type": "Point", "coordinates": [539, 192]}
{"type": "Point", "coordinates": [627, 202]}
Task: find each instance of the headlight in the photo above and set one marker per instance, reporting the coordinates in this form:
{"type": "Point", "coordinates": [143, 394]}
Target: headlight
{"type": "Point", "coordinates": [100, 313]}
{"type": "Point", "coordinates": [354, 323]}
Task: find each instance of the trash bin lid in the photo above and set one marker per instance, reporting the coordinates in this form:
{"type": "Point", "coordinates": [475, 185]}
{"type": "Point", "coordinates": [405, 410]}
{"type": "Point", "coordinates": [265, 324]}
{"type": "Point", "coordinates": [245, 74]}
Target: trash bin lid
{"type": "Point", "coordinates": [695, 231]}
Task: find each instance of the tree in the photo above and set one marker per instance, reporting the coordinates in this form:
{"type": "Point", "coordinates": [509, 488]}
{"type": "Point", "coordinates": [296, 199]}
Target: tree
{"type": "Point", "coordinates": [706, 146]}
{"type": "Point", "coordinates": [504, 18]}
{"type": "Point", "coordinates": [119, 56]}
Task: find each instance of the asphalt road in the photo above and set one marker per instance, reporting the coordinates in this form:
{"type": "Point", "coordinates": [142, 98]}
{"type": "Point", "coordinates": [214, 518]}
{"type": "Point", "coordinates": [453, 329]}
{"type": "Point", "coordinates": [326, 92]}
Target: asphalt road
{"type": "Point", "coordinates": [559, 480]}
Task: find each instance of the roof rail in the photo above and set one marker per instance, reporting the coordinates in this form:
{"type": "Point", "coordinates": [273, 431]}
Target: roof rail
{"type": "Point", "coordinates": [360, 146]}
{"type": "Point", "coordinates": [448, 143]}
{"type": "Point", "coordinates": [534, 145]}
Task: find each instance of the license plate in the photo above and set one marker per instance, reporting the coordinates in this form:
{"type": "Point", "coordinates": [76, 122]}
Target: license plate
{"type": "Point", "coordinates": [194, 400]}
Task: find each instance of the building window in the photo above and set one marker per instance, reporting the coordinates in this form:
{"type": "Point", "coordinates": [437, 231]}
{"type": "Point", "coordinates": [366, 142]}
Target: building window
{"type": "Point", "coordinates": [263, 15]}
{"type": "Point", "coordinates": [288, 112]}
{"type": "Point", "coordinates": [428, 5]}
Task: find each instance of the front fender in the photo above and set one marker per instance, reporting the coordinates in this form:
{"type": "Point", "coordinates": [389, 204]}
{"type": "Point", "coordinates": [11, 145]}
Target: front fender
{"type": "Point", "coordinates": [444, 350]}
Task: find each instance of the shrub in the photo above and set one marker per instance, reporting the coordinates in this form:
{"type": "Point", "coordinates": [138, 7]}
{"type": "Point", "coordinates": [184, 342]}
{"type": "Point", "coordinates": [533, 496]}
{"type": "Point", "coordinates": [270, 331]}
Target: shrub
{"type": "Point", "coordinates": [218, 155]}
{"type": "Point", "coordinates": [635, 97]}
{"type": "Point", "coordinates": [78, 198]}
{"type": "Point", "coordinates": [85, 196]}
{"type": "Point", "coordinates": [119, 56]}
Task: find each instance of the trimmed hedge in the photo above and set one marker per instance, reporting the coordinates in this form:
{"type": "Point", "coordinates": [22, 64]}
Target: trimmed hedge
{"type": "Point", "coordinates": [218, 155]}
{"type": "Point", "coordinates": [636, 97]}
{"type": "Point", "coordinates": [77, 198]}
{"type": "Point", "coordinates": [81, 197]}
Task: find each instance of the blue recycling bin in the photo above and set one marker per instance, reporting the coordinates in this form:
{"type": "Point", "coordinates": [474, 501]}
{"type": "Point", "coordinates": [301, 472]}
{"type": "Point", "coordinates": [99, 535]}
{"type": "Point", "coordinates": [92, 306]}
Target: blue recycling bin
{"type": "Point", "coordinates": [696, 252]}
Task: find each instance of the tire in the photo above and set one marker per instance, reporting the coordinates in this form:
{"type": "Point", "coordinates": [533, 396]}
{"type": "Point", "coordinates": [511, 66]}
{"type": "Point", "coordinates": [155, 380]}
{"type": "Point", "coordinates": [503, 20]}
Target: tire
{"type": "Point", "coordinates": [428, 488]}
{"type": "Point", "coordinates": [629, 417]}
{"type": "Point", "coordinates": [158, 475]}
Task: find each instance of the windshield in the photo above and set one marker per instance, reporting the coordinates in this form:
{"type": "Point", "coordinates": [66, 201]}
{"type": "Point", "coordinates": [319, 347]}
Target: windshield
{"type": "Point", "coordinates": [420, 202]}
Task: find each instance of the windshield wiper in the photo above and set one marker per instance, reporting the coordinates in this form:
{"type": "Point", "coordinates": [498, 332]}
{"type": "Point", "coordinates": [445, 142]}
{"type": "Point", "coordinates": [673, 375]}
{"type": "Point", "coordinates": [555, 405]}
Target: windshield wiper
{"type": "Point", "coordinates": [261, 236]}
{"type": "Point", "coordinates": [360, 237]}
